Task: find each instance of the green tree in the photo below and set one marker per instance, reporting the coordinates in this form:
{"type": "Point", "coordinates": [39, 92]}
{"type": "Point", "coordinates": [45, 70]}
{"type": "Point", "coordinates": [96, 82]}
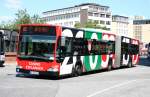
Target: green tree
{"type": "Point", "coordinates": [37, 19]}
{"type": "Point", "coordinates": [22, 17]}
{"type": "Point", "coordinates": [7, 25]}
{"type": "Point", "coordinates": [91, 24]}
{"type": "Point", "coordinates": [77, 25]}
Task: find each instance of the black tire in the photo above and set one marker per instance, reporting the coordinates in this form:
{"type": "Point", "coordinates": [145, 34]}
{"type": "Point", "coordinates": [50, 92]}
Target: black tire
{"type": "Point", "coordinates": [73, 74]}
{"type": "Point", "coordinates": [130, 64]}
{"type": "Point", "coordinates": [109, 67]}
{"type": "Point", "coordinates": [77, 71]}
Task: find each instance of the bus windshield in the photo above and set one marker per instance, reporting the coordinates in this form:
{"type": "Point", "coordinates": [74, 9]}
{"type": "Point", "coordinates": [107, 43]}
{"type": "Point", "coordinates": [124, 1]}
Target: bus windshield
{"type": "Point", "coordinates": [37, 47]}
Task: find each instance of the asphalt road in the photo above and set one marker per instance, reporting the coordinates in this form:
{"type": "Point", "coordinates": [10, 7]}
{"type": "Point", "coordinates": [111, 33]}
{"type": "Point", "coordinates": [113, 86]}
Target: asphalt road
{"type": "Point", "coordinates": [125, 82]}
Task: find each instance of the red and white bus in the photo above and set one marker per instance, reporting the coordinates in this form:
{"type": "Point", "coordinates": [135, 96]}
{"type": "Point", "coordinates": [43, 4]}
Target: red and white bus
{"type": "Point", "coordinates": [56, 50]}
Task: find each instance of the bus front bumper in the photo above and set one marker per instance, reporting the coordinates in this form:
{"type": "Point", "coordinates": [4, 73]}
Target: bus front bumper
{"type": "Point", "coordinates": [44, 73]}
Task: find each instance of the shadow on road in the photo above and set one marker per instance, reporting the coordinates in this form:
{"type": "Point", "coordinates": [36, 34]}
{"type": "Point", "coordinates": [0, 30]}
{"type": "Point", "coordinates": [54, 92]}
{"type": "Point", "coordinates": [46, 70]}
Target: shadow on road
{"type": "Point", "coordinates": [144, 61]}
{"type": "Point", "coordinates": [36, 77]}
{"type": "Point", "coordinates": [66, 76]}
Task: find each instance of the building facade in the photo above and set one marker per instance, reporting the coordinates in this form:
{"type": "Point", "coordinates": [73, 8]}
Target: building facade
{"type": "Point", "coordinates": [120, 25]}
{"type": "Point", "coordinates": [80, 14]}
{"type": "Point", "coordinates": [141, 30]}
{"type": "Point", "coordinates": [138, 17]}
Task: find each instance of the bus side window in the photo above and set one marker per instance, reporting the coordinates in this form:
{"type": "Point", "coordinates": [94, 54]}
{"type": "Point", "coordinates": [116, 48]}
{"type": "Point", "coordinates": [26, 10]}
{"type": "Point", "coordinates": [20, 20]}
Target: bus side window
{"type": "Point", "coordinates": [85, 48]}
{"type": "Point", "coordinates": [93, 47]}
{"type": "Point", "coordinates": [78, 46]}
{"type": "Point", "coordinates": [111, 47]}
{"type": "Point", "coordinates": [61, 49]}
{"type": "Point", "coordinates": [67, 48]}
{"type": "Point", "coordinates": [134, 49]}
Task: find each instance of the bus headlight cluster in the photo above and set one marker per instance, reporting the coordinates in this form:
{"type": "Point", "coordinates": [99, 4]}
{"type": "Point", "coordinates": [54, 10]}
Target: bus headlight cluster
{"type": "Point", "coordinates": [53, 69]}
{"type": "Point", "coordinates": [19, 67]}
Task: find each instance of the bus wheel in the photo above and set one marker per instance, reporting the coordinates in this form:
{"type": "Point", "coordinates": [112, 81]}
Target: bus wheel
{"type": "Point", "coordinates": [130, 65]}
{"type": "Point", "coordinates": [109, 67]}
{"type": "Point", "coordinates": [77, 71]}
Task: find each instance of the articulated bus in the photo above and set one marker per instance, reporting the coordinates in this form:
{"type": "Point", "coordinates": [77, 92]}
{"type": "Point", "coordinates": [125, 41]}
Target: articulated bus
{"type": "Point", "coordinates": [45, 49]}
{"type": "Point", "coordinates": [2, 54]}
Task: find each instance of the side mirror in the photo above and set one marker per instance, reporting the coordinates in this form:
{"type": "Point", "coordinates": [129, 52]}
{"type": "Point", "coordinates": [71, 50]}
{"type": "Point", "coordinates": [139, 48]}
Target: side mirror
{"type": "Point", "coordinates": [61, 50]}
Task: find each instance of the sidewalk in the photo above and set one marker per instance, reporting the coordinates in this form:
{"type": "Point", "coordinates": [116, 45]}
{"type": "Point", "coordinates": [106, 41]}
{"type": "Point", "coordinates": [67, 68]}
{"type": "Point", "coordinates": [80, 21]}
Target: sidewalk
{"type": "Point", "coordinates": [10, 58]}
{"type": "Point", "coordinates": [10, 63]}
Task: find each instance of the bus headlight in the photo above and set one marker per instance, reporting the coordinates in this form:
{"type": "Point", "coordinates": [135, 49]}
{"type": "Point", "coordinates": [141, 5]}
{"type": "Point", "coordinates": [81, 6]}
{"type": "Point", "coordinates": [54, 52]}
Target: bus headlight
{"type": "Point", "coordinates": [19, 67]}
{"type": "Point", "coordinates": [53, 69]}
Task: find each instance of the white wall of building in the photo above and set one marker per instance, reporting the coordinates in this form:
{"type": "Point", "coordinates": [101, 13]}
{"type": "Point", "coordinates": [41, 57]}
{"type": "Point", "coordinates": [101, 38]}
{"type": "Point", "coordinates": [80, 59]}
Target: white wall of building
{"type": "Point", "coordinates": [66, 22]}
{"type": "Point", "coordinates": [70, 22]}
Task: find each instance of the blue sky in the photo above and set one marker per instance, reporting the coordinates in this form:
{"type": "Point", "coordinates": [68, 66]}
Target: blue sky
{"type": "Point", "coordinates": [8, 8]}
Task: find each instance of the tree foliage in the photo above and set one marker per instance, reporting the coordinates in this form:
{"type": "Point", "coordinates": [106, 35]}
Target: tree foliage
{"type": "Point", "coordinates": [77, 25]}
{"type": "Point", "coordinates": [22, 17]}
{"type": "Point", "coordinates": [37, 19]}
{"type": "Point", "coordinates": [91, 24]}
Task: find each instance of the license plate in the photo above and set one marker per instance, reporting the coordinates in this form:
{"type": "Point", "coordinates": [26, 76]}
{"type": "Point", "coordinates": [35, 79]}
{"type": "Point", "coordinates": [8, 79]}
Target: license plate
{"type": "Point", "coordinates": [34, 72]}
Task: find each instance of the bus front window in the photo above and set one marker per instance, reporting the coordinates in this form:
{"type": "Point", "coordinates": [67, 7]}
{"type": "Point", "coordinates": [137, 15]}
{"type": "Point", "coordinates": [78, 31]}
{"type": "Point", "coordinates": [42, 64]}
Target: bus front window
{"type": "Point", "coordinates": [37, 47]}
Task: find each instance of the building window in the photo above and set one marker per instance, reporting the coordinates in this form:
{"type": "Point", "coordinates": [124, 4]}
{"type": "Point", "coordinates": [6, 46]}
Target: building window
{"type": "Point", "coordinates": [102, 9]}
{"type": "Point", "coordinates": [107, 16]}
{"type": "Point", "coordinates": [90, 14]}
{"type": "Point", "coordinates": [71, 15]}
{"type": "Point", "coordinates": [67, 16]}
{"type": "Point", "coordinates": [96, 15]}
{"type": "Point", "coordinates": [102, 22]}
{"type": "Point", "coordinates": [76, 22]}
{"type": "Point", "coordinates": [96, 21]}
{"type": "Point", "coordinates": [107, 22]}
{"type": "Point", "coordinates": [102, 15]}
{"type": "Point", "coordinates": [89, 20]}
{"type": "Point", "coordinates": [76, 15]}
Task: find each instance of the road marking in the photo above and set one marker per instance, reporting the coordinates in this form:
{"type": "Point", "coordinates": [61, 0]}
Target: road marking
{"type": "Point", "coordinates": [115, 86]}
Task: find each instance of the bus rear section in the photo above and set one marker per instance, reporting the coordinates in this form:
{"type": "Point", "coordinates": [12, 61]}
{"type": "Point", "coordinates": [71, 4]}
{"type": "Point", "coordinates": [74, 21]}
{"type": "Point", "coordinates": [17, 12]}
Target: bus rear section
{"type": "Point", "coordinates": [134, 51]}
{"type": "Point", "coordinates": [127, 51]}
{"type": "Point", "coordinates": [2, 54]}
{"type": "Point", "coordinates": [37, 50]}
